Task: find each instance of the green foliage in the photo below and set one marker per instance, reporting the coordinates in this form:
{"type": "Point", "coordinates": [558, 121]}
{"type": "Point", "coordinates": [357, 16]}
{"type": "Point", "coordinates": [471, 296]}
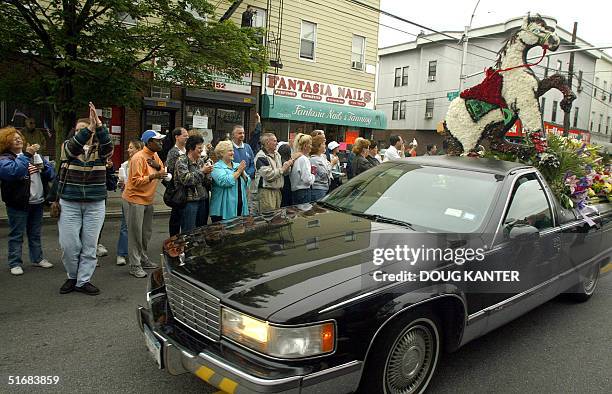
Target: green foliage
{"type": "Point", "coordinates": [78, 51]}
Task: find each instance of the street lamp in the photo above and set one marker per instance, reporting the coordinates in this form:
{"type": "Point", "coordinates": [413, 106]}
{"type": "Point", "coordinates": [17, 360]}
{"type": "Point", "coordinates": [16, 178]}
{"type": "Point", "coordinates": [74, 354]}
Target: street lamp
{"type": "Point", "coordinates": [464, 38]}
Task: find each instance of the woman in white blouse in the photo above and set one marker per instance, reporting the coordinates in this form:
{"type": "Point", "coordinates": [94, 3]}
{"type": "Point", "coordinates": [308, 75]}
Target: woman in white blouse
{"type": "Point", "coordinates": [302, 176]}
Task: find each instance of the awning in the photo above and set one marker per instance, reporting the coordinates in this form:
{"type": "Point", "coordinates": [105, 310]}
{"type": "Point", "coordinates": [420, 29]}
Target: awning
{"type": "Point", "coordinates": [278, 107]}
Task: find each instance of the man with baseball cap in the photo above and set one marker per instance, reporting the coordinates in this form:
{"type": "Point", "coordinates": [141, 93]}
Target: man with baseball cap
{"type": "Point", "coordinates": [145, 171]}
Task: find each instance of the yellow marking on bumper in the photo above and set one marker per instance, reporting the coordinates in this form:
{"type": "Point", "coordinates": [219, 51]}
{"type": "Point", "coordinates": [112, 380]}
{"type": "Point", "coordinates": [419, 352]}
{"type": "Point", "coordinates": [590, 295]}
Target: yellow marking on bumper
{"type": "Point", "coordinates": [228, 385]}
{"type": "Point", "coordinates": [205, 373]}
{"type": "Point", "coordinates": [606, 268]}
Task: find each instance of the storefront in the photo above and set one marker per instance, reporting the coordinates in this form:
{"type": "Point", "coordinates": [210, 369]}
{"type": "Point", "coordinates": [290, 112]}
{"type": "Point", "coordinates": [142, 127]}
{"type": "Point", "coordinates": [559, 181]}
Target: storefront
{"type": "Point", "coordinates": [293, 105]}
{"type": "Point", "coordinates": [215, 113]}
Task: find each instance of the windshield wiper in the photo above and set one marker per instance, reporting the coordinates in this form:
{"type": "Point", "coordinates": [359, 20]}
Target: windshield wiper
{"type": "Point", "coordinates": [383, 219]}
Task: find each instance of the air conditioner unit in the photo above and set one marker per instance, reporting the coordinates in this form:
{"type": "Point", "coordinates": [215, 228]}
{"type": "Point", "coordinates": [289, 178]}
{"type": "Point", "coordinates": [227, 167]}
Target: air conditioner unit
{"type": "Point", "coordinates": [428, 115]}
{"type": "Point", "coordinates": [357, 65]}
{"type": "Point", "coordinates": [431, 78]}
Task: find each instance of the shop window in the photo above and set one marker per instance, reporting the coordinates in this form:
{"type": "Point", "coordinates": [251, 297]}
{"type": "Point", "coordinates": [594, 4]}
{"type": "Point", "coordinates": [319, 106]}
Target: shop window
{"type": "Point", "coordinates": [160, 92]}
{"type": "Point", "coordinates": [308, 39]}
{"type": "Point", "coordinates": [358, 53]}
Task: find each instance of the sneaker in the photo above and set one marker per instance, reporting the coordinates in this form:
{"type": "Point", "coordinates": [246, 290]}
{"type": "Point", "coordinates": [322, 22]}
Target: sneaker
{"type": "Point", "coordinates": [68, 286]}
{"type": "Point", "coordinates": [149, 265]}
{"type": "Point", "coordinates": [121, 260]}
{"type": "Point", "coordinates": [17, 270]}
{"type": "Point", "coordinates": [101, 251]}
{"type": "Point", "coordinates": [88, 289]}
{"type": "Point", "coordinates": [44, 263]}
{"type": "Point", "coordinates": [137, 271]}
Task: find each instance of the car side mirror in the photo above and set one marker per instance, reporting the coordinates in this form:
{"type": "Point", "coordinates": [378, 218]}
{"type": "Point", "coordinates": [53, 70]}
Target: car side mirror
{"type": "Point", "coordinates": [523, 233]}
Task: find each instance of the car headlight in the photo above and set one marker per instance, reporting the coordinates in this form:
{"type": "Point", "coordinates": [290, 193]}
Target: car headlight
{"type": "Point", "coordinates": [277, 341]}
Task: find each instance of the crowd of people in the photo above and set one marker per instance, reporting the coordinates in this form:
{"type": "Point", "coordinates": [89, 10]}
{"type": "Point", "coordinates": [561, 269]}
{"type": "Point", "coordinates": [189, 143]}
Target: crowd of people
{"type": "Point", "coordinates": [202, 183]}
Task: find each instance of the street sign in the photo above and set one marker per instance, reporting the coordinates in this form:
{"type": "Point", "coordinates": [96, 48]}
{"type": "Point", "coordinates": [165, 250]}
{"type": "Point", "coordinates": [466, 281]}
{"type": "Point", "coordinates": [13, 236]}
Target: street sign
{"type": "Point", "coordinates": [452, 95]}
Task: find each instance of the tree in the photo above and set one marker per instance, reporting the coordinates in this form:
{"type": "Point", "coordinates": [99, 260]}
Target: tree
{"type": "Point", "coordinates": [91, 50]}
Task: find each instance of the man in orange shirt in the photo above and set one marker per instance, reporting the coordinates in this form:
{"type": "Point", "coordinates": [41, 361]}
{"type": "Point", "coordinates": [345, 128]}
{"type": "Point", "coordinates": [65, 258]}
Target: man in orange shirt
{"type": "Point", "coordinates": [145, 171]}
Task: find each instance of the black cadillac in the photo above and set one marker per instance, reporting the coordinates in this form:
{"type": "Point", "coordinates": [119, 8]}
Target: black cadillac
{"type": "Point", "coordinates": [344, 295]}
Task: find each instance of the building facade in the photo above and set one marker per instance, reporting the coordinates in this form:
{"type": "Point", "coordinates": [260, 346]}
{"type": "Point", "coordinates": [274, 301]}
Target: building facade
{"type": "Point", "coordinates": [418, 79]}
{"type": "Point", "coordinates": [600, 124]}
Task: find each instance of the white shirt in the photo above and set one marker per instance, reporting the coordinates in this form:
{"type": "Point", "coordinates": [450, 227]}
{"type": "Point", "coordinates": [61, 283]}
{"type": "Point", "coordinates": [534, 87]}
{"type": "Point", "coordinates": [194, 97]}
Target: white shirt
{"type": "Point", "coordinates": [301, 176]}
{"type": "Point", "coordinates": [392, 154]}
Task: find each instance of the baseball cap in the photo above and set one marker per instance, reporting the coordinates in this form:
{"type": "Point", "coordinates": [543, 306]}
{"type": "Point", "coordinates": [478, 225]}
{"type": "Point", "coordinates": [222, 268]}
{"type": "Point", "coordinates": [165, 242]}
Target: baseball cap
{"type": "Point", "coordinates": [332, 145]}
{"type": "Point", "coordinates": [147, 135]}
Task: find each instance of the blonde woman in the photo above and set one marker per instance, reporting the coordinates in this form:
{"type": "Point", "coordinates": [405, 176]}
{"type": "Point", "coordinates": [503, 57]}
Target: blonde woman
{"type": "Point", "coordinates": [230, 184]}
{"type": "Point", "coordinates": [361, 149]}
{"type": "Point", "coordinates": [302, 173]}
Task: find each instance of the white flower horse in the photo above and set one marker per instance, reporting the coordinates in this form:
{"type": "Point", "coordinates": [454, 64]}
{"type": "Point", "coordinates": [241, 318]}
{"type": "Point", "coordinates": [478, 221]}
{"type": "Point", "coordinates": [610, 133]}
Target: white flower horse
{"type": "Point", "coordinates": [509, 91]}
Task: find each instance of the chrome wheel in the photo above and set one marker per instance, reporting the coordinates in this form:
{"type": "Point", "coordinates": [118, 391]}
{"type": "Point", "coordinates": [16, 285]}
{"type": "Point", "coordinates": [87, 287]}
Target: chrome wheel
{"type": "Point", "coordinates": [590, 281]}
{"type": "Point", "coordinates": [411, 359]}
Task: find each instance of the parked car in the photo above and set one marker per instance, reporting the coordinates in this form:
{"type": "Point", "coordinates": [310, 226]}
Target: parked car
{"type": "Point", "coordinates": [289, 301]}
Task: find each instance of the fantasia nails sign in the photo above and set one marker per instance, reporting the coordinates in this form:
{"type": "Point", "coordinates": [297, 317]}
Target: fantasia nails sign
{"type": "Point", "coordinates": [303, 89]}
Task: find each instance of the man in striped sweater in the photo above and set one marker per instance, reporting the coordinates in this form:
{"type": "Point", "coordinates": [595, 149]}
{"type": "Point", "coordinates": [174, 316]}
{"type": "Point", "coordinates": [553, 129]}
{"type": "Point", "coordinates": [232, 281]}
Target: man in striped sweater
{"type": "Point", "coordinates": [82, 195]}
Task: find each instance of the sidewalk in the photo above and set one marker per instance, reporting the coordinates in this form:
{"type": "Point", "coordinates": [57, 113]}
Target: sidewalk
{"type": "Point", "coordinates": [113, 206]}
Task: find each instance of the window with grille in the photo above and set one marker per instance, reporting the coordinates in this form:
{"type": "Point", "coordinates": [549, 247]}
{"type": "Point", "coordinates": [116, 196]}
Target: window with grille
{"type": "Point", "coordinates": [308, 39]}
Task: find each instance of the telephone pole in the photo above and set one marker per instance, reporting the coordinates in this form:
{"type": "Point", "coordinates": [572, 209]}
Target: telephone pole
{"type": "Point", "coordinates": [570, 75]}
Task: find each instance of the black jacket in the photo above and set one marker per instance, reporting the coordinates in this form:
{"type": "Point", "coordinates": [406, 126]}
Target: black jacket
{"type": "Point", "coordinates": [360, 164]}
{"type": "Point", "coordinates": [16, 179]}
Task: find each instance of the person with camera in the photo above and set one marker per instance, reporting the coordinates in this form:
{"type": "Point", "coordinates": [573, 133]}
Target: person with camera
{"type": "Point", "coordinates": [145, 171]}
{"type": "Point", "coordinates": [24, 175]}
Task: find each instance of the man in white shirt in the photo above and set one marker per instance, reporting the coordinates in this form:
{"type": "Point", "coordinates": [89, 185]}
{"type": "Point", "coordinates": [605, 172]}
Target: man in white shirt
{"type": "Point", "coordinates": [180, 135]}
{"type": "Point", "coordinates": [396, 148]}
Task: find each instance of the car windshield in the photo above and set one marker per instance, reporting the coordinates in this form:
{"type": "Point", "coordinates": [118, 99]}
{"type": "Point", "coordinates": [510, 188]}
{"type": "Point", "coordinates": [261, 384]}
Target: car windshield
{"type": "Point", "coordinates": [435, 198]}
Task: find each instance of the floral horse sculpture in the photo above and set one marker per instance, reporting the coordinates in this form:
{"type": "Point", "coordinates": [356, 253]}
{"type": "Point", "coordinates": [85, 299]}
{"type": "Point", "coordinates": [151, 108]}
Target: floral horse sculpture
{"type": "Point", "coordinates": [508, 92]}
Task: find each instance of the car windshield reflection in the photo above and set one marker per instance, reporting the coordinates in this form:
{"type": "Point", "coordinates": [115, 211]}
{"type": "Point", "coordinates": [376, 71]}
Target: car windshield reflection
{"type": "Point", "coordinates": [433, 198]}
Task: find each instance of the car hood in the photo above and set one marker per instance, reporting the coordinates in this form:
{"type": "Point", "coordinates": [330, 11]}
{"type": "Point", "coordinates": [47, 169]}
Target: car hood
{"type": "Point", "coordinates": [261, 264]}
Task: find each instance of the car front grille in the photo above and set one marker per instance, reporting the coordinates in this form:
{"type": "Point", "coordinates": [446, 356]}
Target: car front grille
{"type": "Point", "coordinates": [194, 307]}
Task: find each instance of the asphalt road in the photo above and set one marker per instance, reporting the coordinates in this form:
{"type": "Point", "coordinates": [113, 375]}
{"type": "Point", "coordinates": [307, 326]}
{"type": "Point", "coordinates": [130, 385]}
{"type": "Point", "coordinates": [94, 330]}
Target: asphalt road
{"type": "Point", "coordinates": [93, 344]}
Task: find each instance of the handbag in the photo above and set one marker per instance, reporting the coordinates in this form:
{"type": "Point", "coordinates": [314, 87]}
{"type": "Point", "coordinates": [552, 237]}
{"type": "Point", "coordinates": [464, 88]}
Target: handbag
{"type": "Point", "coordinates": [175, 195]}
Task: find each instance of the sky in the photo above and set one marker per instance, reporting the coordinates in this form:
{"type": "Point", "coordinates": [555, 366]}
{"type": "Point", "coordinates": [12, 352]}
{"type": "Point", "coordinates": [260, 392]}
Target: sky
{"type": "Point", "coordinates": [594, 17]}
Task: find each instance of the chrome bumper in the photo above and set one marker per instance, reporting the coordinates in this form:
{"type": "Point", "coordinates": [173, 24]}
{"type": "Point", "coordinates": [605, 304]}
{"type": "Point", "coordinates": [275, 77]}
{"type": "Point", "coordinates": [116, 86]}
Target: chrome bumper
{"type": "Point", "coordinates": [178, 360]}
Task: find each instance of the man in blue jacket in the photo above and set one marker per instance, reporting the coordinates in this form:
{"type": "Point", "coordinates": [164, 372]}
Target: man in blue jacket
{"type": "Point", "coordinates": [243, 151]}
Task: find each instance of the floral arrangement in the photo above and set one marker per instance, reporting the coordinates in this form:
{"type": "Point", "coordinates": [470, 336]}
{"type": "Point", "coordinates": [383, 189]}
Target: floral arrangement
{"type": "Point", "coordinates": [577, 174]}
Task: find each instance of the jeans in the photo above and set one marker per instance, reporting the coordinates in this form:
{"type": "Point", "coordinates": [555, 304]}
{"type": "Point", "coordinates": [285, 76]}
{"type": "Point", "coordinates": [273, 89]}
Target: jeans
{"type": "Point", "coordinates": [122, 243]}
{"type": "Point", "coordinates": [79, 227]}
{"type": "Point", "coordinates": [20, 222]}
{"type": "Point", "coordinates": [195, 214]}
{"type": "Point", "coordinates": [318, 194]}
{"type": "Point", "coordinates": [174, 224]}
{"type": "Point", "coordinates": [301, 196]}
{"type": "Point", "coordinates": [140, 229]}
